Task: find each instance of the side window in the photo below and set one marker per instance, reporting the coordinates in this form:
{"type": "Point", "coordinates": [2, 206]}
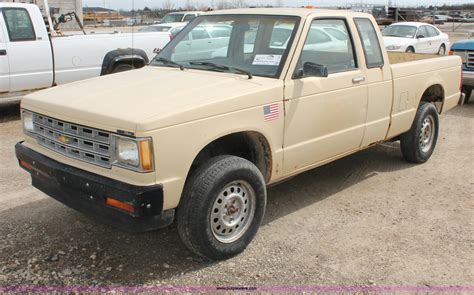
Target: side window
{"type": "Point", "coordinates": [422, 31]}
{"type": "Point", "coordinates": [200, 33]}
{"type": "Point", "coordinates": [220, 32]}
{"type": "Point", "coordinates": [19, 25]}
{"type": "Point", "coordinates": [323, 48]}
{"type": "Point", "coordinates": [189, 17]}
{"type": "Point", "coordinates": [370, 42]}
{"type": "Point", "coordinates": [432, 32]}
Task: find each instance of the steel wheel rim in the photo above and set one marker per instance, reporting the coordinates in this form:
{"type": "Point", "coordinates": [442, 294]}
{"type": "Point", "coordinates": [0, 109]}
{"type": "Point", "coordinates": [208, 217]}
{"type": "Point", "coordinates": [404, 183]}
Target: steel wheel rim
{"type": "Point", "coordinates": [427, 134]}
{"type": "Point", "coordinates": [233, 211]}
{"type": "Point", "coordinates": [442, 51]}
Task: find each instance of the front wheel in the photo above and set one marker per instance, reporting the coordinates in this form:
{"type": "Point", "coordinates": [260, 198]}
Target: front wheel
{"type": "Point", "coordinates": [468, 92]}
{"type": "Point", "coordinates": [410, 50]}
{"type": "Point", "coordinates": [442, 50]}
{"type": "Point", "coordinates": [418, 143]}
{"type": "Point", "coordinates": [222, 207]}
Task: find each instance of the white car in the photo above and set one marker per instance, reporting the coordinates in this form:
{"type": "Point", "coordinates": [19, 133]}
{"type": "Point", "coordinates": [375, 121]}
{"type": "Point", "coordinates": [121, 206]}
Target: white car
{"type": "Point", "coordinates": [172, 28]}
{"type": "Point", "coordinates": [183, 16]}
{"type": "Point", "coordinates": [415, 37]}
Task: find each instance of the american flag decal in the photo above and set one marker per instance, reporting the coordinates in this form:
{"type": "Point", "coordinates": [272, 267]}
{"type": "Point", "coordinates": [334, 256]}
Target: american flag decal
{"type": "Point", "coordinates": [271, 112]}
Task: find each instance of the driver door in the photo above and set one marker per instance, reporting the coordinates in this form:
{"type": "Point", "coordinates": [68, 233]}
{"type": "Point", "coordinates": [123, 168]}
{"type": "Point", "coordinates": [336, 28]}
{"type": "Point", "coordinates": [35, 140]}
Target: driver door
{"type": "Point", "coordinates": [325, 116]}
{"type": "Point", "coordinates": [4, 65]}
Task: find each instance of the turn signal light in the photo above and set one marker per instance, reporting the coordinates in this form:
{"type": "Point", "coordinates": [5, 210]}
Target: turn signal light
{"type": "Point", "coordinates": [146, 157]}
{"type": "Point", "coordinates": [121, 205]}
{"type": "Point", "coordinates": [26, 165]}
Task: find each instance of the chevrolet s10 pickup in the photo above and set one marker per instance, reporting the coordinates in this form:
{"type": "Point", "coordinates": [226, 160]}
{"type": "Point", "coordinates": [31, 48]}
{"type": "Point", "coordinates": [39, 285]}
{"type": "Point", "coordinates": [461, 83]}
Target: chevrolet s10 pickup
{"type": "Point", "coordinates": [198, 135]}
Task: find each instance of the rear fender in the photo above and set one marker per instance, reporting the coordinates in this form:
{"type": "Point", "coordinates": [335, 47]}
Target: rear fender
{"type": "Point", "coordinates": [122, 55]}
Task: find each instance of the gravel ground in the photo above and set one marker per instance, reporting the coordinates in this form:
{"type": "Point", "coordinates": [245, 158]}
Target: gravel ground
{"type": "Point", "coordinates": [370, 219]}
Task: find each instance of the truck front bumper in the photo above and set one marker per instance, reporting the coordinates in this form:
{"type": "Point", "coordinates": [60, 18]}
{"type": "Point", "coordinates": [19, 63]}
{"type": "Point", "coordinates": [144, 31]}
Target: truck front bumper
{"type": "Point", "coordinates": [87, 192]}
{"type": "Point", "coordinates": [468, 78]}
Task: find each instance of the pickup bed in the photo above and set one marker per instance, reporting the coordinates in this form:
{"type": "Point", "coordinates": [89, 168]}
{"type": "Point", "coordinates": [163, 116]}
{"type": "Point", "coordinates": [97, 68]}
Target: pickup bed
{"type": "Point", "coordinates": [33, 58]}
{"type": "Point", "coordinates": [199, 134]}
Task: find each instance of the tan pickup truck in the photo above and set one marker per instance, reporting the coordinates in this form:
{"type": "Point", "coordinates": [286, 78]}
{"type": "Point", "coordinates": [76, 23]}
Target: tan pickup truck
{"type": "Point", "coordinates": [199, 134]}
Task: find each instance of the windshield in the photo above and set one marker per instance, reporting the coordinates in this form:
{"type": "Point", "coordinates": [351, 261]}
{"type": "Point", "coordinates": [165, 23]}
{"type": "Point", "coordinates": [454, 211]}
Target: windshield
{"type": "Point", "coordinates": [256, 44]}
{"type": "Point", "coordinates": [172, 18]}
{"type": "Point", "coordinates": [155, 29]}
{"type": "Point", "coordinates": [399, 31]}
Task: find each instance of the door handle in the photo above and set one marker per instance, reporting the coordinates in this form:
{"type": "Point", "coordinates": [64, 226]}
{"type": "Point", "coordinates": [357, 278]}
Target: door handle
{"type": "Point", "coordinates": [358, 79]}
{"type": "Point", "coordinates": [3, 52]}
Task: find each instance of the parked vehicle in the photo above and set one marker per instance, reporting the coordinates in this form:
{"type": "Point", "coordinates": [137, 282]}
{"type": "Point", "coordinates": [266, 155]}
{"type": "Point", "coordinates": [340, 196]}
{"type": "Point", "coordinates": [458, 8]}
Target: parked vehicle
{"type": "Point", "coordinates": [32, 58]}
{"type": "Point", "coordinates": [184, 16]}
{"type": "Point", "coordinates": [172, 28]}
{"type": "Point", "coordinates": [199, 140]}
{"type": "Point", "coordinates": [435, 20]}
{"type": "Point", "coordinates": [465, 49]}
{"type": "Point", "coordinates": [415, 37]}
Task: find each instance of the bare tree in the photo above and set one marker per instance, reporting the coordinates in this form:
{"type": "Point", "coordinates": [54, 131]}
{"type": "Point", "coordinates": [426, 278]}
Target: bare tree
{"type": "Point", "coordinates": [168, 5]}
{"type": "Point", "coordinates": [189, 5]}
{"type": "Point", "coordinates": [278, 3]}
{"type": "Point", "coordinates": [222, 4]}
{"type": "Point", "coordinates": [239, 3]}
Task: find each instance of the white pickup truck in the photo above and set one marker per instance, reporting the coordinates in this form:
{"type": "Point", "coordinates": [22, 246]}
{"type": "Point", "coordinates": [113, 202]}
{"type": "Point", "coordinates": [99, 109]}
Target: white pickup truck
{"type": "Point", "coordinates": [32, 58]}
{"type": "Point", "coordinates": [198, 139]}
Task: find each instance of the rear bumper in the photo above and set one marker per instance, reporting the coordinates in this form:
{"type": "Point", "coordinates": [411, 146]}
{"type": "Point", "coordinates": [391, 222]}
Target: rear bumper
{"type": "Point", "coordinates": [87, 192]}
{"type": "Point", "coordinates": [468, 78]}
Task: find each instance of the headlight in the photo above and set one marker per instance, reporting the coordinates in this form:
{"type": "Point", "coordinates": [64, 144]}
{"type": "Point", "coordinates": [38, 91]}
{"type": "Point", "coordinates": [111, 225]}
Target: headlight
{"type": "Point", "coordinates": [393, 47]}
{"type": "Point", "coordinates": [135, 154]}
{"type": "Point", "coordinates": [462, 54]}
{"type": "Point", "coordinates": [28, 121]}
{"type": "Point", "coordinates": [127, 152]}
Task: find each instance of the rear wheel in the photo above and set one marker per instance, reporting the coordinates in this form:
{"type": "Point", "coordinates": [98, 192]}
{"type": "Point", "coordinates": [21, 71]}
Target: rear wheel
{"type": "Point", "coordinates": [468, 92]}
{"type": "Point", "coordinates": [122, 67]}
{"type": "Point", "coordinates": [442, 50]}
{"type": "Point", "coordinates": [418, 143]}
{"type": "Point", "coordinates": [222, 207]}
{"type": "Point", "coordinates": [410, 50]}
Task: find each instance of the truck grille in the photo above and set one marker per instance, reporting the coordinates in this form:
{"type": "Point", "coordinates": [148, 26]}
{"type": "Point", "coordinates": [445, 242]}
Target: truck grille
{"type": "Point", "coordinates": [72, 140]}
{"type": "Point", "coordinates": [470, 60]}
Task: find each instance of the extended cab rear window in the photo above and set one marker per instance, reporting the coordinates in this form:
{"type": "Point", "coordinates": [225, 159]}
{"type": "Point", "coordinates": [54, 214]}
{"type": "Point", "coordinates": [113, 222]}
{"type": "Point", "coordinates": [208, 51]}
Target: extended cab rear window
{"type": "Point", "coordinates": [370, 42]}
{"type": "Point", "coordinates": [19, 25]}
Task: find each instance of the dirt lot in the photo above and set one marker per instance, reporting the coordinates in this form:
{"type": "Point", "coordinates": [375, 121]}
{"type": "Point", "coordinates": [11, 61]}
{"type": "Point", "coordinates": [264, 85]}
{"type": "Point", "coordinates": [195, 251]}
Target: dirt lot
{"type": "Point", "coordinates": [367, 220]}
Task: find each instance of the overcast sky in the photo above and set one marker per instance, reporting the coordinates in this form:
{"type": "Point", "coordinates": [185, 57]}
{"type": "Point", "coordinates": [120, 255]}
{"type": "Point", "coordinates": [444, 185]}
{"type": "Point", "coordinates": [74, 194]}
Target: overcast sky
{"type": "Point", "coordinates": [128, 4]}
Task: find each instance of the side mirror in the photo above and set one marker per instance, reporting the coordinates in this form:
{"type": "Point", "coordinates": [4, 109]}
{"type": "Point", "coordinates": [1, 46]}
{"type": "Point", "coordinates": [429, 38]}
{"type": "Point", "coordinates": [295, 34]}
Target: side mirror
{"type": "Point", "coordinates": [312, 70]}
{"type": "Point", "coordinates": [420, 37]}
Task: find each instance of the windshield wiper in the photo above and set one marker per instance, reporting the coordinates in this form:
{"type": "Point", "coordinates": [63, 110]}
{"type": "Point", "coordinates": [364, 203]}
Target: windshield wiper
{"type": "Point", "coordinates": [169, 62]}
{"type": "Point", "coordinates": [222, 67]}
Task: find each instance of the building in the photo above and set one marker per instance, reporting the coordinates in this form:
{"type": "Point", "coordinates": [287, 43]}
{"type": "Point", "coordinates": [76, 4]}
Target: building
{"type": "Point", "coordinates": [97, 15]}
{"type": "Point", "coordinates": [57, 6]}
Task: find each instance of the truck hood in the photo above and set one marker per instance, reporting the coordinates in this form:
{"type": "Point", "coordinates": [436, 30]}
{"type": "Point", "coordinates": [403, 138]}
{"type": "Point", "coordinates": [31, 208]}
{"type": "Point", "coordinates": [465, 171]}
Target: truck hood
{"type": "Point", "coordinates": [152, 98]}
{"type": "Point", "coordinates": [397, 41]}
{"type": "Point", "coordinates": [463, 45]}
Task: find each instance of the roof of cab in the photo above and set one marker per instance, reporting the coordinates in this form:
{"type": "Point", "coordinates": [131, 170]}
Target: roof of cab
{"type": "Point", "coordinates": [16, 4]}
{"type": "Point", "coordinates": [301, 12]}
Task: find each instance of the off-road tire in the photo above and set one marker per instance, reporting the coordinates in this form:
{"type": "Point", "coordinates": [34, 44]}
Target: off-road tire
{"type": "Point", "coordinates": [468, 92]}
{"type": "Point", "coordinates": [411, 142]}
{"type": "Point", "coordinates": [202, 190]}
{"type": "Point", "coordinates": [122, 67]}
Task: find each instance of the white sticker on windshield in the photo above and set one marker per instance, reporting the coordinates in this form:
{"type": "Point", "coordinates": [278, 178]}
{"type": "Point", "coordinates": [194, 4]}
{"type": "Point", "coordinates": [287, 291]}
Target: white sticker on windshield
{"type": "Point", "coordinates": [267, 60]}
